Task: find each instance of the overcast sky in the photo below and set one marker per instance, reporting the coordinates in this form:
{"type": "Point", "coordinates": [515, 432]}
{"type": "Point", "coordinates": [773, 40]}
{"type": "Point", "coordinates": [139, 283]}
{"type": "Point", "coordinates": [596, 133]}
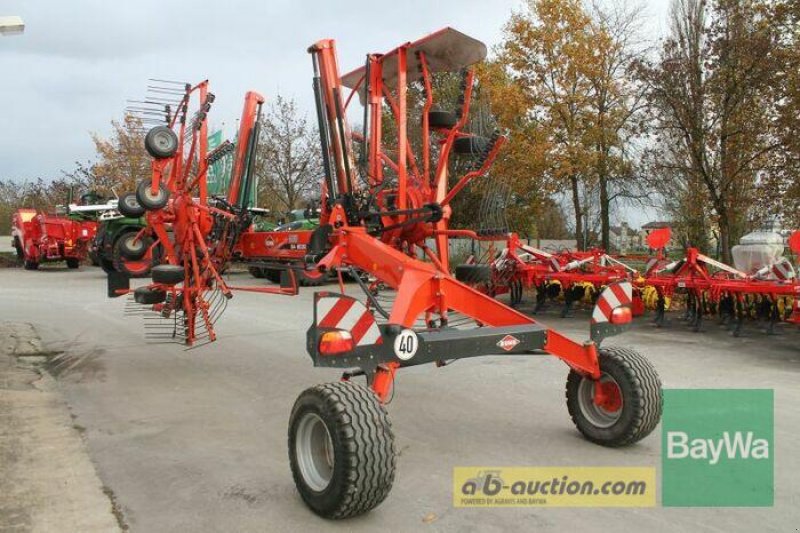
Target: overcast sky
{"type": "Point", "coordinates": [78, 61]}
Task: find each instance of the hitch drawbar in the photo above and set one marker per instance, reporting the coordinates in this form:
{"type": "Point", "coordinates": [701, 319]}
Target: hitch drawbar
{"type": "Point", "coordinates": [345, 335]}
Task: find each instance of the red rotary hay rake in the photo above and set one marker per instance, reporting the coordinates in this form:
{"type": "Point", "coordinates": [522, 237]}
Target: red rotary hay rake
{"type": "Point", "coordinates": [376, 219]}
{"type": "Point", "coordinates": [193, 233]}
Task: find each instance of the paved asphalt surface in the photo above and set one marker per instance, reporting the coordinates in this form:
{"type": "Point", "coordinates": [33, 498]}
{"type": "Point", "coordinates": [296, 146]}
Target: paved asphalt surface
{"type": "Point", "coordinates": [196, 440]}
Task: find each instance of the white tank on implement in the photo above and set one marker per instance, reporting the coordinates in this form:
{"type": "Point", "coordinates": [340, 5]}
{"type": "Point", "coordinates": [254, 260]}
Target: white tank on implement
{"type": "Point", "coordinates": [758, 249]}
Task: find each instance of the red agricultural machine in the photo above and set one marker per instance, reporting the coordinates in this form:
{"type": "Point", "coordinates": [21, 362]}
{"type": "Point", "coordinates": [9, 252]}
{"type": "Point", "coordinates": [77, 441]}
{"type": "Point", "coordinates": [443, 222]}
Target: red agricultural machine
{"type": "Point", "coordinates": [517, 267]}
{"type": "Point", "coordinates": [770, 293]}
{"type": "Point", "coordinates": [268, 253]}
{"type": "Point", "coordinates": [377, 217]}
{"type": "Point", "coordinates": [194, 234]}
{"type": "Point", "coordinates": [40, 237]}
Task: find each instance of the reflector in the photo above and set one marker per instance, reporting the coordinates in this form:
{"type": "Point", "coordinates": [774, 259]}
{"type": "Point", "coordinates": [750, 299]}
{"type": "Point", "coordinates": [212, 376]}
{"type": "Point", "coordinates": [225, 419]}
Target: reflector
{"type": "Point", "coordinates": [621, 315]}
{"type": "Point", "coordinates": [335, 342]}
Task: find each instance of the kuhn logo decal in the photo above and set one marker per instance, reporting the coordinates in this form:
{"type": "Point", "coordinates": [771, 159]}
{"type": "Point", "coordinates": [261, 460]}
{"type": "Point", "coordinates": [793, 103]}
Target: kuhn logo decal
{"type": "Point", "coordinates": [508, 342]}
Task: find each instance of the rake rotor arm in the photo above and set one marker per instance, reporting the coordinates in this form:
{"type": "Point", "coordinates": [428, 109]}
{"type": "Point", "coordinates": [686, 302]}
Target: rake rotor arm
{"type": "Point", "coordinates": [487, 163]}
{"type": "Point", "coordinates": [245, 148]}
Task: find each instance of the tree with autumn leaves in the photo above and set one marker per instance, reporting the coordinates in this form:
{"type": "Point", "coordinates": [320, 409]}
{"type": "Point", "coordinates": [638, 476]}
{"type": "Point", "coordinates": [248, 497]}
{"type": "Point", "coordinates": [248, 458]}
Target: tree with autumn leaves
{"type": "Point", "coordinates": [562, 85]}
{"type": "Point", "coordinates": [705, 126]}
{"type": "Point", "coordinates": [723, 154]}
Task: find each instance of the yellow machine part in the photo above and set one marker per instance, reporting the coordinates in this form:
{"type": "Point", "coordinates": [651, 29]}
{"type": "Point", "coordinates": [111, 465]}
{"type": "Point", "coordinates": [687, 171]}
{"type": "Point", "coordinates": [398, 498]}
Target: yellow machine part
{"type": "Point", "coordinates": [650, 298]}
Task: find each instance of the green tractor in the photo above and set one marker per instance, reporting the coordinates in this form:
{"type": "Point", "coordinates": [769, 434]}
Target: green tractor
{"type": "Point", "coordinates": [115, 246]}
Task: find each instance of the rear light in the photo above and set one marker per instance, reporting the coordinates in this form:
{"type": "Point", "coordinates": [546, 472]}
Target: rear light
{"type": "Point", "coordinates": [85, 232]}
{"type": "Point", "coordinates": [335, 342]}
{"type": "Point", "coordinates": [621, 315]}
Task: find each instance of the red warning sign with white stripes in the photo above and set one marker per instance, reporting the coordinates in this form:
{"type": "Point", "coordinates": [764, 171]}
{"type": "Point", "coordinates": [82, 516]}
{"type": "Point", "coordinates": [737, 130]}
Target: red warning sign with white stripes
{"type": "Point", "coordinates": [783, 270]}
{"type": "Point", "coordinates": [342, 312]}
{"type": "Point", "coordinates": [615, 295]}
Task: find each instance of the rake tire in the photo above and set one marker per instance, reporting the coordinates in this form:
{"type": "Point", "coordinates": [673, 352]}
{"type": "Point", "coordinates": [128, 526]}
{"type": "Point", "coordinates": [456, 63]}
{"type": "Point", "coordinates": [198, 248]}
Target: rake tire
{"type": "Point", "coordinates": [168, 274]}
{"type": "Point", "coordinates": [474, 274]}
{"type": "Point", "coordinates": [150, 201]}
{"type": "Point", "coordinates": [132, 249]}
{"type": "Point", "coordinates": [640, 389]}
{"type": "Point", "coordinates": [470, 145]}
{"type": "Point", "coordinates": [149, 296]}
{"type": "Point", "coordinates": [134, 268]}
{"type": "Point", "coordinates": [161, 142]}
{"type": "Point", "coordinates": [442, 119]}
{"type": "Point", "coordinates": [129, 206]}
{"type": "Point", "coordinates": [307, 278]}
{"type": "Point", "coordinates": [363, 451]}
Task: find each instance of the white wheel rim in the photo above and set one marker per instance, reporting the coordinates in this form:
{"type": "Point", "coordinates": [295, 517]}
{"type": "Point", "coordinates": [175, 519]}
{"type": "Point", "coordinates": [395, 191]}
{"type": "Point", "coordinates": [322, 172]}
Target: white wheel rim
{"type": "Point", "coordinates": [314, 452]}
{"type": "Point", "coordinates": [595, 414]}
{"type": "Point", "coordinates": [164, 141]}
{"type": "Point", "coordinates": [134, 245]}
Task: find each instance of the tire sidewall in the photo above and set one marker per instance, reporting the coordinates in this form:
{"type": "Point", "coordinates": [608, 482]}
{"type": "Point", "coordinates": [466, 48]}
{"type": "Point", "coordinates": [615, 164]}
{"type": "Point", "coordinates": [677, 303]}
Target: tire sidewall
{"type": "Point", "coordinates": [130, 253]}
{"type": "Point", "coordinates": [154, 150]}
{"type": "Point", "coordinates": [128, 210]}
{"type": "Point", "coordinates": [148, 203]}
{"type": "Point", "coordinates": [328, 500]}
{"type": "Point", "coordinates": [617, 432]}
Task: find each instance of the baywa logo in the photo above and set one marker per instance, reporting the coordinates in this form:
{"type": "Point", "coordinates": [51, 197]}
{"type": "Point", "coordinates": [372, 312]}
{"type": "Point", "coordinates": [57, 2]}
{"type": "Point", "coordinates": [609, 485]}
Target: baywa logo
{"type": "Point", "coordinates": [731, 446]}
{"type": "Point", "coordinates": [717, 448]}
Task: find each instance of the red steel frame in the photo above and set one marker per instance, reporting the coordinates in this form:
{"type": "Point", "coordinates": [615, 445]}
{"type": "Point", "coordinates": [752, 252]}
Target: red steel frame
{"type": "Point", "coordinates": [190, 216]}
{"type": "Point", "coordinates": [694, 276]}
{"type": "Point", "coordinates": [423, 288]}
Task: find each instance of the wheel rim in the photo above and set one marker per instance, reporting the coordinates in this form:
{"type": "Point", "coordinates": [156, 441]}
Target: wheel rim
{"type": "Point", "coordinates": [603, 410]}
{"type": "Point", "coordinates": [156, 198]}
{"type": "Point", "coordinates": [314, 451]}
{"type": "Point", "coordinates": [136, 267]}
{"type": "Point", "coordinates": [133, 245]}
{"type": "Point", "coordinates": [131, 202]}
{"type": "Point", "coordinates": [163, 141]}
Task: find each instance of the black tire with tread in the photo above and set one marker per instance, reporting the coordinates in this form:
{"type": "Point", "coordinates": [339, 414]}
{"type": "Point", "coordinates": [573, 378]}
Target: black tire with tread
{"type": "Point", "coordinates": [120, 263]}
{"type": "Point", "coordinates": [473, 274]}
{"type": "Point", "coordinates": [30, 265]}
{"type": "Point", "coordinates": [442, 119]}
{"type": "Point", "coordinates": [154, 142]}
{"type": "Point", "coordinates": [641, 395]}
{"type": "Point", "coordinates": [73, 263]}
{"type": "Point", "coordinates": [149, 296]}
{"type": "Point", "coordinates": [470, 145]}
{"type": "Point", "coordinates": [304, 279]}
{"type": "Point", "coordinates": [128, 206]}
{"type": "Point", "coordinates": [168, 274]}
{"type": "Point", "coordinates": [363, 445]}
{"type": "Point", "coordinates": [146, 199]}
{"type": "Point", "coordinates": [132, 251]}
